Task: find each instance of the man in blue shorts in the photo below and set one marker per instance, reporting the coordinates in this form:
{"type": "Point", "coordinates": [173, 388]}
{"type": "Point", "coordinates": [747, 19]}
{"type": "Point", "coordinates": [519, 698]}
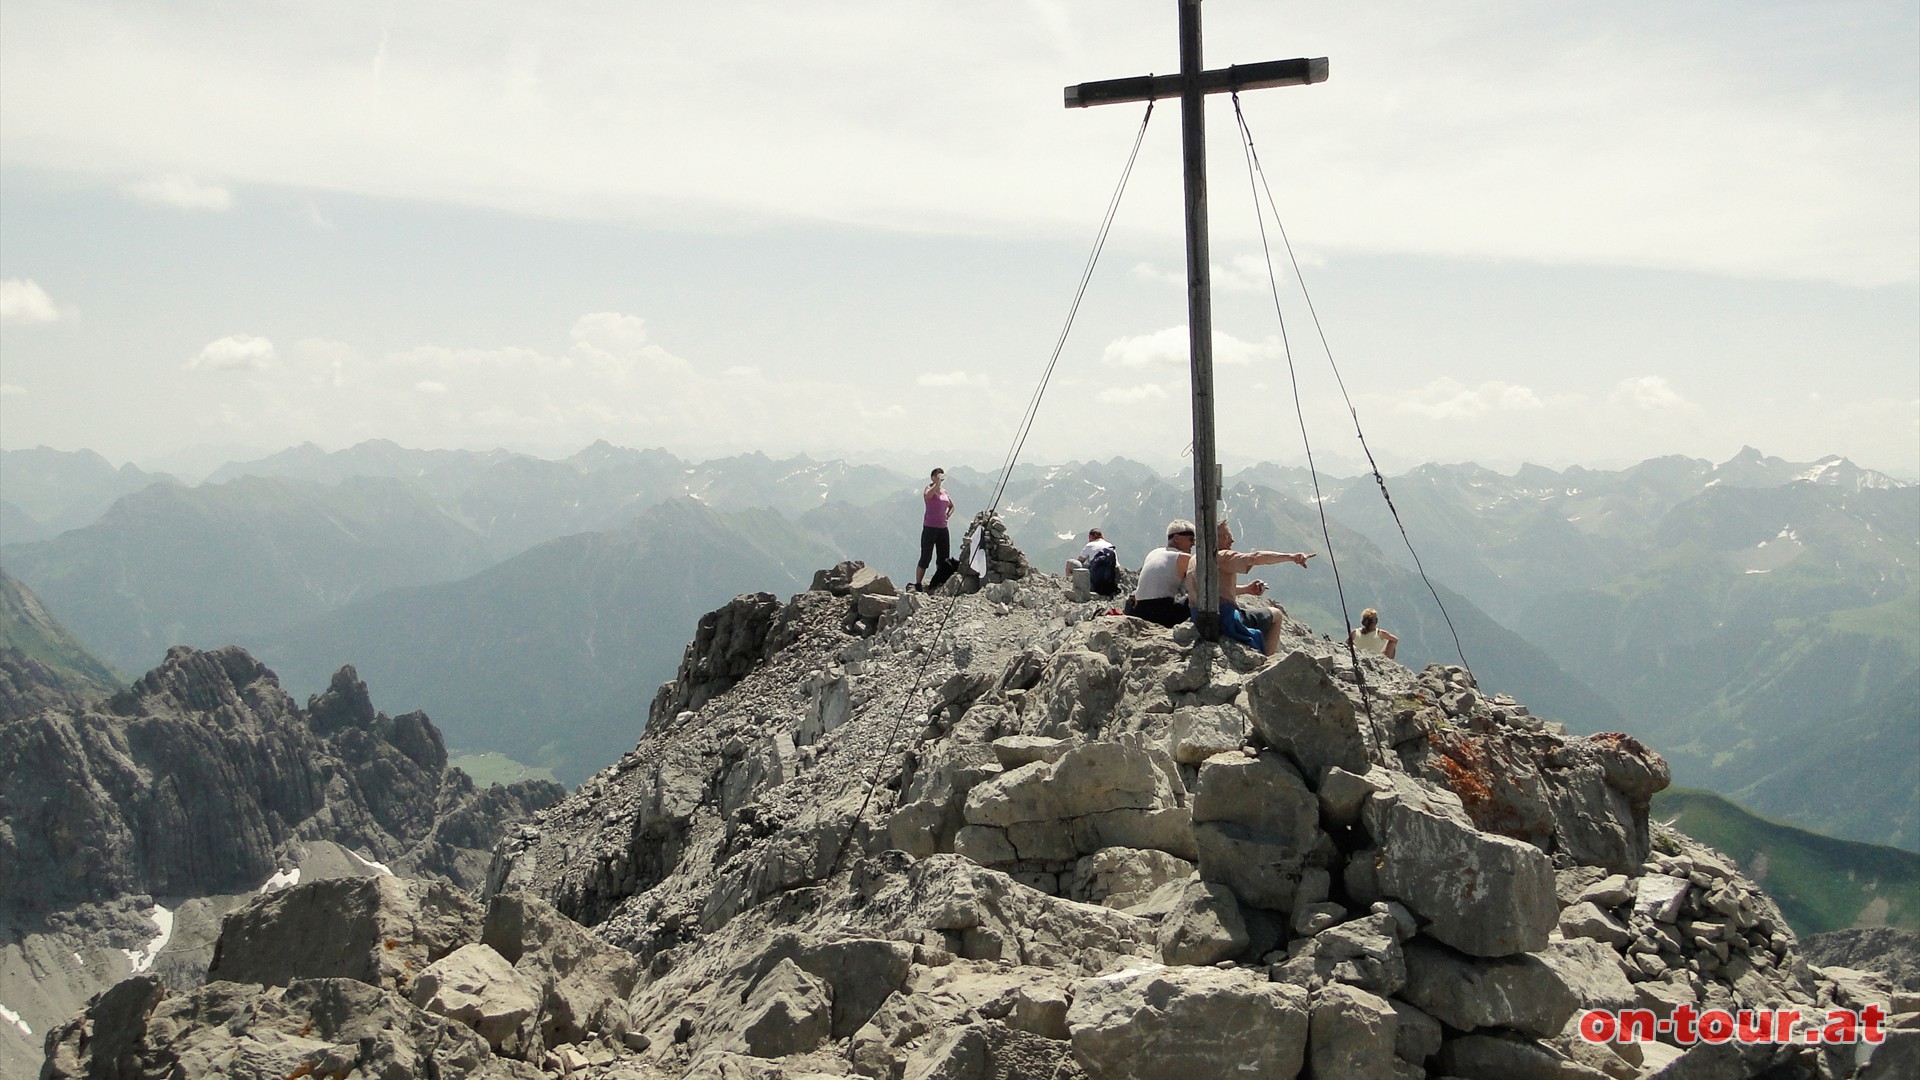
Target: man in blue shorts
{"type": "Point", "coordinates": [1233, 624]}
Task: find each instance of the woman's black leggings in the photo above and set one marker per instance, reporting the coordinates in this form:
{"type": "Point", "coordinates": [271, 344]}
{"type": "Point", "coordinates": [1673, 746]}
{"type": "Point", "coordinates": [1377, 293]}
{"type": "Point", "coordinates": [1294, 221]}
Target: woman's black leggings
{"type": "Point", "coordinates": [933, 538]}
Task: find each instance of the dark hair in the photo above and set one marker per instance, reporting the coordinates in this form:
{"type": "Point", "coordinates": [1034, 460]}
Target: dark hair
{"type": "Point", "coordinates": [936, 472]}
{"type": "Point", "coordinates": [1094, 534]}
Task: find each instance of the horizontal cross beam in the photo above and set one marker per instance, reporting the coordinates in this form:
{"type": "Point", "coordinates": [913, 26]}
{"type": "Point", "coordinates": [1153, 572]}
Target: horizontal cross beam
{"type": "Point", "coordinates": [1218, 81]}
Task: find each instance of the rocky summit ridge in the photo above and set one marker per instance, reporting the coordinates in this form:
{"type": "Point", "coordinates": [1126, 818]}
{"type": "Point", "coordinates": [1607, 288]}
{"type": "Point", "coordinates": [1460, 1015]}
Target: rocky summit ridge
{"type": "Point", "coordinates": [996, 832]}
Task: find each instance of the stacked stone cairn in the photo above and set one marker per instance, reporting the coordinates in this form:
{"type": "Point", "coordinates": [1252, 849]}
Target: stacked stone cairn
{"type": "Point", "coordinates": [1005, 562]}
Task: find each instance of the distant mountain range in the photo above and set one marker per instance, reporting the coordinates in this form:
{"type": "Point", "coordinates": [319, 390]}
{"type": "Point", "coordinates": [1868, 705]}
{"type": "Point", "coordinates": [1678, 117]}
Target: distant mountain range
{"type": "Point", "coordinates": [1751, 619]}
{"type": "Point", "coordinates": [1756, 620]}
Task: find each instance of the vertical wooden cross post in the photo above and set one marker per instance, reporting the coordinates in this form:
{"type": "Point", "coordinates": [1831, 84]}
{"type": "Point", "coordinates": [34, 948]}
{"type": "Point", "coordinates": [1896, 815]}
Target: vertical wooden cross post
{"type": "Point", "coordinates": [1192, 85]}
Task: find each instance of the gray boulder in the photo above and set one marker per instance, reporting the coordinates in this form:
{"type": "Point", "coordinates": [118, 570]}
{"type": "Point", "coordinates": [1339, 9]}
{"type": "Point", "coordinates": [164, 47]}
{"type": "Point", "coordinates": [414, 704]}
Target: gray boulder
{"type": "Point", "coordinates": [1255, 824]}
{"type": "Point", "coordinates": [1482, 894]}
{"type": "Point", "coordinates": [1182, 1023]}
{"type": "Point", "coordinates": [378, 930]}
{"type": "Point", "coordinates": [479, 988]}
{"type": "Point", "coordinates": [582, 982]}
{"type": "Point", "coordinates": [1089, 779]}
{"type": "Point", "coordinates": [787, 1012]}
{"type": "Point", "coordinates": [1494, 1057]}
{"type": "Point", "coordinates": [1363, 953]}
{"type": "Point", "coordinates": [1199, 732]}
{"type": "Point", "coordinates": [1297, 709]}
{"type": "Point", "coordinates": [236, 1031]}
{"type": "Point", "coordinates": [1351, 1035]}
{"type": "Point", "coordinates": [1123, 878]}
{"type": "Point", "coordinates": [1200, 922]}
{"type": "Point", "coordinates": [1534, 993]}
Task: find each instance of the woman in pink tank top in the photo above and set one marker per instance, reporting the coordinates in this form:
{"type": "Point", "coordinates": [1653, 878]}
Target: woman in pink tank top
{"type": "Point", "coordinates": [934, 538]}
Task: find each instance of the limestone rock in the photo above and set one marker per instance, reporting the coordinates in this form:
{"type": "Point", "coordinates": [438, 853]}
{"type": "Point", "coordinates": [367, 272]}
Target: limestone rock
{"type": "Point", "coordinates": [1200, 922]}
{"type": "Point", "coordinates": [479, 988]}
{"type": "Point", "coordinates": [1351, 1034]}
{"type": "Point", "coordinates": [1089, 779]}
{"type": "Point", "coordinates": [1181, 1023]}
{"type": "Point", "coordinates": [788, 1012]}
{"type": "Point", "coordinates": [581, 981]}
{"type": "Point", "coordinates": [310, 1027]}
{"type": "Point", "coordinates": [1199, 732]}
{"type": "Point", "coordinates": [1256, 826]}
{"type": "Point", "coordinates": [1493, 1057]}
{"type": "Point", "coordinates": [204, 776]}
{"type": "Point", "coordinates": [1124, 878]}
{"type": "Point", "coordinates": [1483, 894]}
{"type": "Point", "coordinates": [1363, 953]}
{"type": "Point", "coordinates": [1534, 993]}
{"type": "Point", "coordinates": [725, 646]}
{"type": "Point", "coordinates": [381, 931]}
{"type": "Point", "coordinates": [1297, 709]}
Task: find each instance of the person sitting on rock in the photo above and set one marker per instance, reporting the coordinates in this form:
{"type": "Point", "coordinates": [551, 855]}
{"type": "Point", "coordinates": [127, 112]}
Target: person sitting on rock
{"type": "Point", "coordinates": [1095, 541]}
{"type": "Point", "coordinates": [1160, 597]}
{"type": "Point", "coordinates": [1370, 638]}
{"type": "Point", "coordinates": [1233, 623]}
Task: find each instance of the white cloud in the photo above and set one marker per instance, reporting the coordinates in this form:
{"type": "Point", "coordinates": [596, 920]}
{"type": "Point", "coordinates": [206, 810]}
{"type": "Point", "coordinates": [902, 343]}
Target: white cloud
{"type": "Point", "coordinates": [179, 191]}
{"type": "Point", "coordinates": [1147, 271]}
{"type": "Point", "coordinates": [1648, 392]}
{"type": "Point", "coordinates": [951, 378]}
{"type": "Point", "coordinates": [451, 358]}
{"type": "Point", "coordinates": [429, 386]}
{"type": "Point", "coordinates": [23, 301]}
{"type": "Point", "coordinates": [611, 331]}
{"type": "Point", "coordinates": [236, 352]}
{"type": "Point", "coordinates": [1132, 395]}
{"type": "Point", "coordinates": [10, 389]}
{"type": "Point", "coordinates": [1444, 399]}
{"type": "Point", "coordinates": [1168, 348]}
{"type": "Point", "coordinates": [617, 345]}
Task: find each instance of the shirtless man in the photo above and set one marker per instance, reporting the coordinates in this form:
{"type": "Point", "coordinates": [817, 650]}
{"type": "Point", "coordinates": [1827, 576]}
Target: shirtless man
{"type": "Point", "coordinates": [1234, 563]}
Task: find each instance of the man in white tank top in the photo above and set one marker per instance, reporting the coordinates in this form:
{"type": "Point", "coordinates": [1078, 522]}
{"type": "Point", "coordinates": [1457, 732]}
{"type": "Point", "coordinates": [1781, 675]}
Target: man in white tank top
{"type": "Point", "coordinates": [1160, 596]}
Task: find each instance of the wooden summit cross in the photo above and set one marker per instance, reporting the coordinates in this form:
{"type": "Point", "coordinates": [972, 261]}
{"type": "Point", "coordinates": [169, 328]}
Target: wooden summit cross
{"type": "Point", "coordinates": [1192, 85]}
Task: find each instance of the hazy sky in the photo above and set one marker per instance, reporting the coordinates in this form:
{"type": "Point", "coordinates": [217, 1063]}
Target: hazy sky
{"type": "Point", "coordinates": [1532, 232]}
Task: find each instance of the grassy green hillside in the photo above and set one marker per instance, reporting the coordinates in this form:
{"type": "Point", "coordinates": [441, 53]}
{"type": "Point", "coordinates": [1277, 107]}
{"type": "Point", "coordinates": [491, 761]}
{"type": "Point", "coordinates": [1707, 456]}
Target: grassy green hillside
{"type": "Point", "coordinates": [1820, 883]}
{"type": "Point", "coordinates": [27, 626]}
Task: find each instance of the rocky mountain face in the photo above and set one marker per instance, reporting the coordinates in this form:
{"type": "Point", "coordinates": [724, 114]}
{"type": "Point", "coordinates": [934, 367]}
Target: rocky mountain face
{"type": "Point", "coordinates": [1000, 834]}
{"type": "Point", "coordinates": [129, 824]}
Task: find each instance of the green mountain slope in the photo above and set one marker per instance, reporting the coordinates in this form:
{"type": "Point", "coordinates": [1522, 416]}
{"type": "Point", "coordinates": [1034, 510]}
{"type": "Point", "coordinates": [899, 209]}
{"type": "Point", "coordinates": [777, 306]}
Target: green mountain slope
{"type": "Point", "coordinates": [29, 632]}
{"type": "Point", "coordinates": [1869, 754]}
{"type": "Point", "coordinates": [1820, 883]}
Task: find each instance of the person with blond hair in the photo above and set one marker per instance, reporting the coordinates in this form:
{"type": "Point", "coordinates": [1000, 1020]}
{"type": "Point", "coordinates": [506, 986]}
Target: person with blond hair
{"type": "Point", "coordinates": [1370, 638]}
